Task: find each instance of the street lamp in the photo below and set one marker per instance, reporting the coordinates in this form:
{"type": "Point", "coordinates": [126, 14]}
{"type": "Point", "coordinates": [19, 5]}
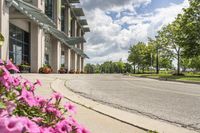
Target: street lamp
{"type": "Point", "coordinates": [1, 39]}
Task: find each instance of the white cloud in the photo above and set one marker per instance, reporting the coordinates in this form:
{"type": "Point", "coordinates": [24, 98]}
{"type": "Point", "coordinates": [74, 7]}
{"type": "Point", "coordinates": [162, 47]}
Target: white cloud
{"type": "Point", "coordinates": [108, 41]}
{"type": "Point", "coordinates": [114, 4]}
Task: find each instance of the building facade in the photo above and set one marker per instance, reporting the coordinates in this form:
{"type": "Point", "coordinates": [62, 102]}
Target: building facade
{"type": "Point", "coordinates": [39, 32]}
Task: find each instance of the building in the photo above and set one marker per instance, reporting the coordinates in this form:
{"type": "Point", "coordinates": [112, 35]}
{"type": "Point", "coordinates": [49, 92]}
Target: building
{"type": "Point", "coordinates": [41, 32]}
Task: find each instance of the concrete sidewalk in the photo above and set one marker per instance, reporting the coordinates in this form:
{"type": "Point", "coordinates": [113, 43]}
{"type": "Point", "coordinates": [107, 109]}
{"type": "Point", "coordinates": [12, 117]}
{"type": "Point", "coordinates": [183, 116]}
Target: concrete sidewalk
{"type": "Point", "coordinates": [96, 122]}
{"type": "Point", "coordinates": [101, 118]}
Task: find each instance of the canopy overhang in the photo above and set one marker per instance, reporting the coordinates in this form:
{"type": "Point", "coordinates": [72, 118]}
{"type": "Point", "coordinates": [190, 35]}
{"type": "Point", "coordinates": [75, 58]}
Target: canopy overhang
{"type": "Point", "coordinates": [31, 12]}
{"type": "Point", "coordinates": [78, 12]}
{"type": "Point", "coordinates": [86, 29]}
{"type": "Point", "coordinates": [83, 22]}
{"type": "Point", "coordinates": [74, 1]}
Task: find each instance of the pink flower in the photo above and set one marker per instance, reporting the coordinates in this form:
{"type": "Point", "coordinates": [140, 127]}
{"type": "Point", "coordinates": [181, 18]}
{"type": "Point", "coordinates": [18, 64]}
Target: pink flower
{"type": "Point", "coordinates": [4, 69]}
{"type": "Point", "coordinates": [16, 81]}
{"type": "Point", "coordinates": [81, 129]}
{"type": "Point", "coordinates": [40, 101]}
{"type": "Point", "coordinates": [63, 127]}
{"type": "Point", "coordinates": [57, 95]}
{"type": "Point", "coordinates": [72, 121]}
{"type": "Point", "coordinates": [47, 130]}
{"type": "Point", "coordinates": [31, 127]}
{"type": "Point", "coordinates": [28, 97]}
{"type": "Point", "coordinates": [70, 107]}
{"type": "Point", "coordinates": [11, 125]}
{"type": "Point", "coordinates": [38, 82]}
{"type": "Point", "coordinates": [51, 109]}
{"type": "Point", "coordinates": [6, 79]}
{"type": "Point", "coordinates": [10, 106]}
{"type": "Point", "coordinates": [11, 66]}
{"type": "Point", "coordinates": [37, 119]}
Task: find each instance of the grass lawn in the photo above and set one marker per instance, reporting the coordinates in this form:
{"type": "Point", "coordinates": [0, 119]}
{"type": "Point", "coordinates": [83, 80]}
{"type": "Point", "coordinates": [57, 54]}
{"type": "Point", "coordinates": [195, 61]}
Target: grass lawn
{"type": "Point", "coordinates": [164, 76]}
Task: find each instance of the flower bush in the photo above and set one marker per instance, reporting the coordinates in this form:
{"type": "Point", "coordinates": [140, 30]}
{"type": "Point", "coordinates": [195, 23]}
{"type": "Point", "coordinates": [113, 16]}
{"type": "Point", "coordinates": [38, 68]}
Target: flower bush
{"type": "Point", "coordinates": [22, 111]}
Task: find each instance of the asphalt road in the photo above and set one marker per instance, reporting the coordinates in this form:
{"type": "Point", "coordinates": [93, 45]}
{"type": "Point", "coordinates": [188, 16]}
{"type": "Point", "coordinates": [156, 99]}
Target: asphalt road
{"type": "Point", "coordinates": [177, 103]}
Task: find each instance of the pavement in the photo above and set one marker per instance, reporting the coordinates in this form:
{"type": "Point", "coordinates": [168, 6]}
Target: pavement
{"type": "Point", "coordinates": [135, 104]}
{"type": "Point", "coordinates": [96, 122]}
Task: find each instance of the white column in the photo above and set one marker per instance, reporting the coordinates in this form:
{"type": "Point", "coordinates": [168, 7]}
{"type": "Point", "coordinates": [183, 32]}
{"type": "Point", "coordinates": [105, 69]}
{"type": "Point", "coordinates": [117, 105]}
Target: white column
{"type": "Point", "coordinates": [78, 56]}
{"type": "Point", "coordinates": [56, 55]}
{"type": "Point", "coordinates": [68, 33]}
{"type": "Point", "coordinates": [67, 21]}
{"type": "Point", "coordinates": [67, 59]}
{"type": "Point", "coordinates": [56, 45]}
{"type": "Point", "coordinates": [37, 41]}
{"type": "Point", "coordinates": [4, 29]}
{"type": "Point", "coordinates": [37, 47]}
{"type": "Point", "coordinates": [73, 54]}
{"type": "Point", "coordinates": [82, 64]}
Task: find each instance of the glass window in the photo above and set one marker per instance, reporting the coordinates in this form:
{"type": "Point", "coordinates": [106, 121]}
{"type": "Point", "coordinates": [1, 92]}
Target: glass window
{"type": "Point", "coordinates": [46, 59]}
{"type": "Point", "coordinates": [49, 8]}
{"type": "Point", "coordinates": [63, 19]}
{"type": "Point", "coordinates": [19, 47]}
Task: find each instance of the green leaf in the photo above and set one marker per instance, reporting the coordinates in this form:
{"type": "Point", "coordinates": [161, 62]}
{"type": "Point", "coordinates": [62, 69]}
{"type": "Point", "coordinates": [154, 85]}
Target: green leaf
{"type": "Point", "coordinates": [2, 105]}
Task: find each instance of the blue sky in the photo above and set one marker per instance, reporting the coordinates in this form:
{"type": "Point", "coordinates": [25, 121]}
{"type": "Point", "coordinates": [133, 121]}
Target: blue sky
{"type": "Point", "coordinates": [117, 24]}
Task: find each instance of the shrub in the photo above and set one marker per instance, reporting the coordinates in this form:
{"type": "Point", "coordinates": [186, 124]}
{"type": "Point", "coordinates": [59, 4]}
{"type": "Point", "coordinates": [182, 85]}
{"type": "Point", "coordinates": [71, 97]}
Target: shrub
{"type": "Point", "coordinates": [21, 111]}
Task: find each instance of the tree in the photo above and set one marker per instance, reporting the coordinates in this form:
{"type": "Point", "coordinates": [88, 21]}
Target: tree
{"type": "Point", "coordinates": [89, 68]}
{"type": "Point", "coordinates": [190, 25]}
{"type": "Point", "coordinates": [127, 68]}
{"type": "Point", "coordinates": [171, 33]}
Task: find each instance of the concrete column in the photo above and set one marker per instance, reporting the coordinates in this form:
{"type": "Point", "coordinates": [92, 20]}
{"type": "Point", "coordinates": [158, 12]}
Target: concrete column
{"type": "Point", "coordinates": [67, 14]}
{"type": "Point", "coordinates": [4, 29]}
{"type": "Point", "coordinates": [82, 64]}
{"type": "Point", "coordinates": [68, 59]}
{"type": "Point", "coordinates": [73, 54]}
{"type": "Point", "coordinates": [67, 20]}
{"type": "Point", "coordinates": [37, 47]}
{"type": "Point", "coordinates": [57, 13]}
{"type": "Point", "coordinates": [79, 46]}
{"type": "Point", "coordinates": [56, 45]}
{"type": "Point", "coordinates": [56, 55]}
{"type": "Point", "coordinates": [37, 42]}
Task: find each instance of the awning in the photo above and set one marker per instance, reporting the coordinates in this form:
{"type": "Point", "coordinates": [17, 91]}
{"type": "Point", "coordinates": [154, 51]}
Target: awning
{"type": "Point", "coordinates": [86, 29]}
{"type": "Point", "coordinates": [68, 41]}
{"type": "Point", "coordinates": [83, 22]}
{"type": "Point", "coordinates": [31, 12]}
{"type": "Point", "coordinates": [47, 24]}
{"type": "Point", "coordinates": [80, 52]}
{"type": "Point", "coordinates": [78, 12]}
{"type": "Point", "coordinates": [74, 1]}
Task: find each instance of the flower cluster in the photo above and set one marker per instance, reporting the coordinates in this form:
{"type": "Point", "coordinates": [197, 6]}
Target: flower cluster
{"type": "Point", "coordinates": [22, 111]}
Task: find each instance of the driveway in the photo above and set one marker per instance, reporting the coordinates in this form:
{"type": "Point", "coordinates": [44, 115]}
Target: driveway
{"type": "Point", "coordinates": [173, 102]}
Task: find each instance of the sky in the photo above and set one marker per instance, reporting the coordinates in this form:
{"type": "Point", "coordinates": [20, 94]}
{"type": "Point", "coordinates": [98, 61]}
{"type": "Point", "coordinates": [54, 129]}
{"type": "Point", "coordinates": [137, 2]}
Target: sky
{"type": "Point", "coordinates": [117, 24]}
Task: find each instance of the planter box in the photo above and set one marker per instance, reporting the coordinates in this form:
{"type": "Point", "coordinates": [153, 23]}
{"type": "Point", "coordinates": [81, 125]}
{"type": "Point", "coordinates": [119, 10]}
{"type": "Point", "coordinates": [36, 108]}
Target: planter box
{"type": "Point", "coordinates": [24, 69]}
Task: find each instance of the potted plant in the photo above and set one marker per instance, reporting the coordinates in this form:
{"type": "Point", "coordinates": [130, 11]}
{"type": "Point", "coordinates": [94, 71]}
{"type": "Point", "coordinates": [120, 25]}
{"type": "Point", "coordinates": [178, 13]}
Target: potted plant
{"type": "Point", "coordinates": [72, 71]}
{"type": "Point", "coordinates": [46, 69]}
{"type": "Point", "coordinates": [24, 68]}
{"type": "Point", "coordinates": [62, 70]}
{"type": "Point", "coordinates": [77, 72]}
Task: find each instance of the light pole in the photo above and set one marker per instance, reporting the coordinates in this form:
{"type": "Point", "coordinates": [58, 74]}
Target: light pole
{"type": "Point", "coordinates": [157, 60]}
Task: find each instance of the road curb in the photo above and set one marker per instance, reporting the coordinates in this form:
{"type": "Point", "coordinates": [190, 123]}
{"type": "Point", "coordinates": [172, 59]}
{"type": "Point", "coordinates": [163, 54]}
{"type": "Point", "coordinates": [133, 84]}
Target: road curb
{"type": "Point", "coordinates": [135, 120]}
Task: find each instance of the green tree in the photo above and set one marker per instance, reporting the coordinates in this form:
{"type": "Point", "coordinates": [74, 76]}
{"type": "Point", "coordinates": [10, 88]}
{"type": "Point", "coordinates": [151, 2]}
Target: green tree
{"type": "Point", "coordinates": [190, 25]}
